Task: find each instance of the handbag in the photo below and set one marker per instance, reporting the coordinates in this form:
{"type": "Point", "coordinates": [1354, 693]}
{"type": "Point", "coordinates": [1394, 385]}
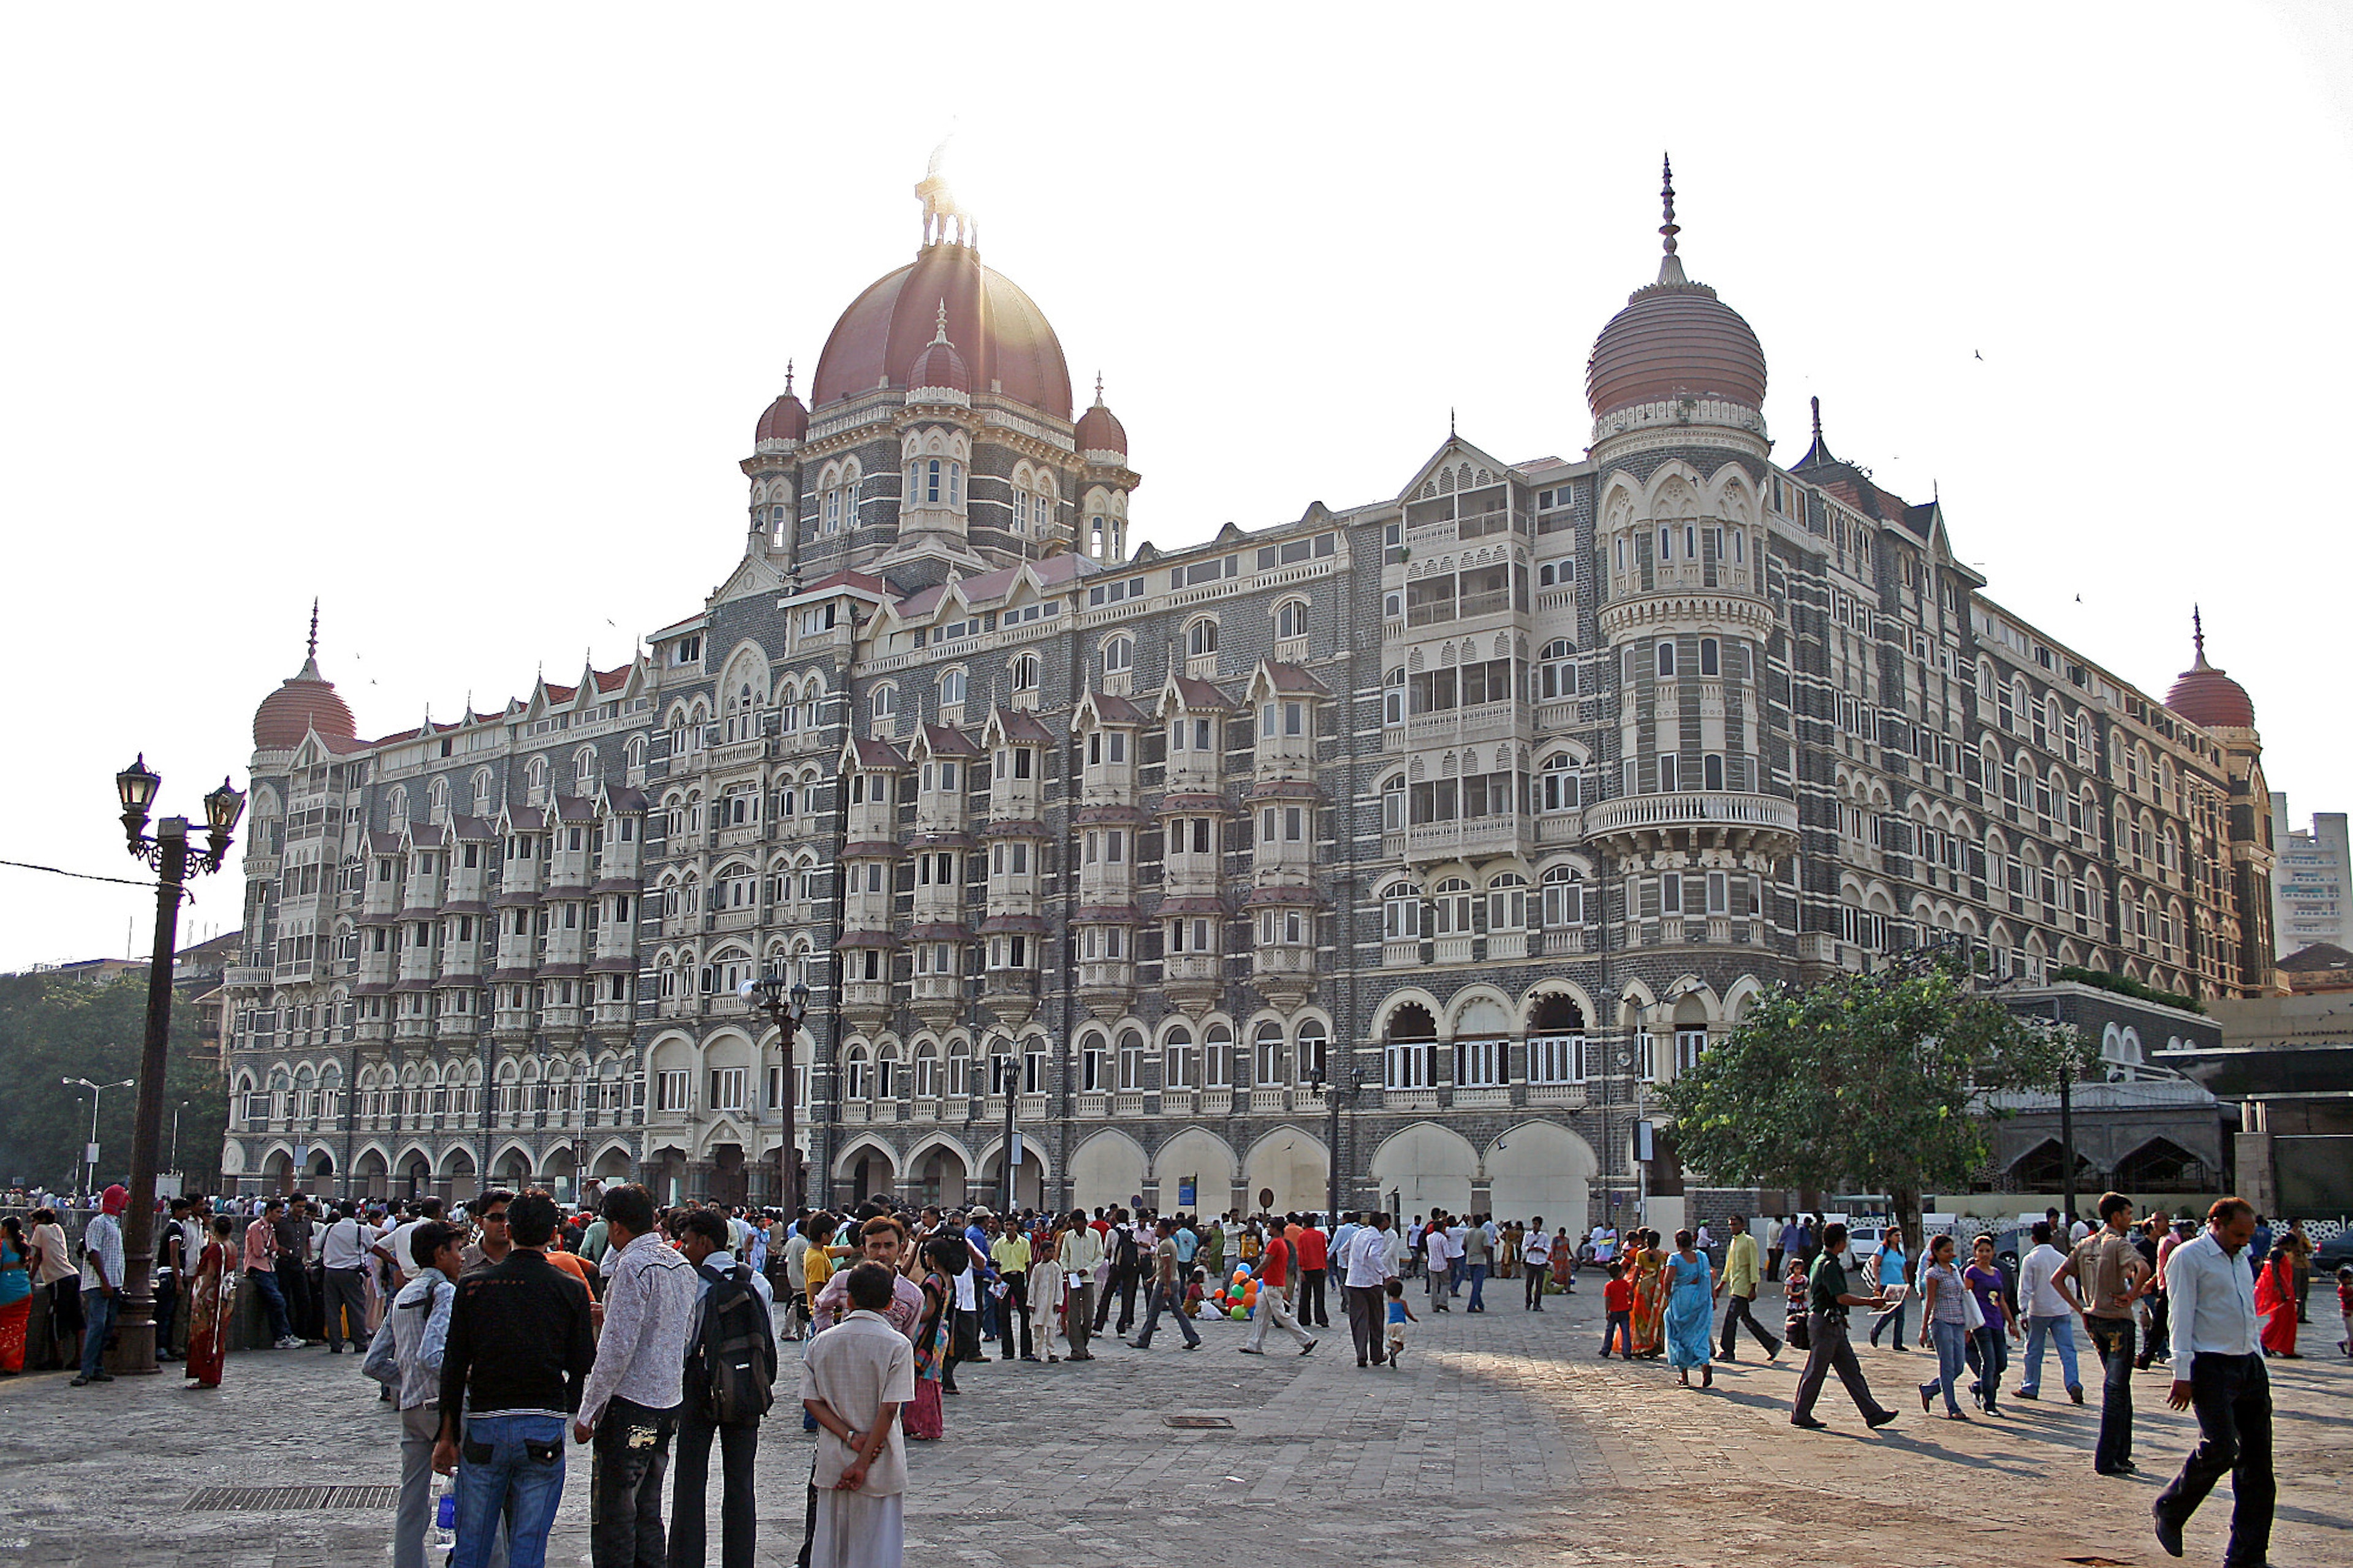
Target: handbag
{"type": "Point", "coordinates": [1970, 1312]}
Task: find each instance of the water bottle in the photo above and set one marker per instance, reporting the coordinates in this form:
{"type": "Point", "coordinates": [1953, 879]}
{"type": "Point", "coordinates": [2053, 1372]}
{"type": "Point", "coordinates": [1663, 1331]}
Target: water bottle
{"type": "Point", "coordinates": [445, 1526]}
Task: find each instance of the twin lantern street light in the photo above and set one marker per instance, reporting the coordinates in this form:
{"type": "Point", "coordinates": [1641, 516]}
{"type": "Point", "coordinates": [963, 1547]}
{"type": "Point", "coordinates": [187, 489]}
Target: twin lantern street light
{"type": "Point", "coordinates": [787, 1006]}
{"type": "Point", "coordinates": [175, 859]}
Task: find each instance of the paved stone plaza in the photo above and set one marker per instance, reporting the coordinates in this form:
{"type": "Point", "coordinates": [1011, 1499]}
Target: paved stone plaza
{"type": "Point", "coordinates": [1503, 1440]}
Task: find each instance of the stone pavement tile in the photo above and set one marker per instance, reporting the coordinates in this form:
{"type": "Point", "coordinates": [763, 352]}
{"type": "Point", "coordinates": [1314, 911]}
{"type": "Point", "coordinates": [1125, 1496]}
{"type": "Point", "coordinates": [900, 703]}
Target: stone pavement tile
{"type": "Point", "coordinates": [1502, 1436]}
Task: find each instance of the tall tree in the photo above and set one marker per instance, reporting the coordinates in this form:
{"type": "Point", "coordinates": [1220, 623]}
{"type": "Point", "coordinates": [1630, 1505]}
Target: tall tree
{"type": "Point", "coordinates": [52, 1029]}
{"type": "Point", "coordinates": [1872, 1080]}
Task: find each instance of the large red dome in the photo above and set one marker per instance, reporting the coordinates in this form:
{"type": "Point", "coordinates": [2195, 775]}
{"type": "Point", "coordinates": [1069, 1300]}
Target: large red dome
{"type": "Point", "coordinates": [997, 330]}
{"type": "Point", "coordinates": [1674, 341]}
{"type": "Point", "coordinates": [307, 701]}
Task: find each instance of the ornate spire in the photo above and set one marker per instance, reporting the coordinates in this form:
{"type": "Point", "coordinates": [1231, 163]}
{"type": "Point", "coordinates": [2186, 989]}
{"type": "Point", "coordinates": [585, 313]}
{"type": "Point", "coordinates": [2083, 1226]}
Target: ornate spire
{"type": "Point", "coordinates": [311, 653]}
{"type": "Point", "coordinates": [2198, 637]}
{"type": "Point", "coordinates": [1098, 389]}
{"type": "Point", "coordinates": [1671, 270]}
{"type": "Point", "coordinates": [789, 378]}
{"type": "Point", "coordinates": [941, 336]}
{"type": "Point", "coordinates": [1818, 419]}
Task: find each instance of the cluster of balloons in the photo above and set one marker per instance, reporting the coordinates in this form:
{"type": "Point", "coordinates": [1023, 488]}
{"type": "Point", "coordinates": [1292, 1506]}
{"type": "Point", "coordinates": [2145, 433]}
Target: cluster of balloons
{"type": "Point", "coordinates": [1238, 1296]}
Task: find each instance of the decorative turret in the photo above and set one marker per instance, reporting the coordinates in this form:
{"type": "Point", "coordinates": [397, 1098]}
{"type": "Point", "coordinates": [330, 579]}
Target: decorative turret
{"type": "Point", "coordinates": [307, 701]}
{"type": "Point", "coordinates": [2204, 695]}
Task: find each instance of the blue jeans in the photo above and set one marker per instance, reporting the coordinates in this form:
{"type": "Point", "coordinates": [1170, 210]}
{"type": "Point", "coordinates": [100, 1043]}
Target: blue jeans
{"type": "Point", "coordinates": [2061, 1332]}
{"type": "Point", "coordinates": [273, 1296]}
{"type": "Point", "coordinates": [1478, 1272]}
{"type": "Point", "coordinates": [1992, 1345]}
{"type": "Point", "coordinates": [1892, 1318]}
{"type": "Point", "coordinates": [2114, 1337]}
{"type": "Point", "coordinates": [509, 1467]}
{"type": "Point", "coordinates": [98, 1311]}
{"type": "Point", "coordinates": [1164, 1299]}
{"type": "Point", "coordinates": [1952, 1341]}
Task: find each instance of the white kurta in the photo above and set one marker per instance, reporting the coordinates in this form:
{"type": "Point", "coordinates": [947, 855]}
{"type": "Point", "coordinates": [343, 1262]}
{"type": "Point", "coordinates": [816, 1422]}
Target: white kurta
{"type": "Point", "coordinates": [858, 1529]}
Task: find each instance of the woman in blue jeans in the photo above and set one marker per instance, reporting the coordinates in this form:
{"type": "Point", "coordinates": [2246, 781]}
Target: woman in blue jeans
{"type": "Point", "coordinates": [1891, 1264]}
{"type": "Point", "coordinates": [1945, 1322]}
{"type": "Point", "coordinates": [1984, 1279]}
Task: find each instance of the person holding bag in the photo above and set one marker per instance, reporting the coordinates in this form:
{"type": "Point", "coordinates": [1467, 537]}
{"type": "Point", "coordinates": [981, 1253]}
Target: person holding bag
{"type": "Point", "coordinates": [1996, 1323]}
{"type": "Point", "coordinates": [1948, 1315]}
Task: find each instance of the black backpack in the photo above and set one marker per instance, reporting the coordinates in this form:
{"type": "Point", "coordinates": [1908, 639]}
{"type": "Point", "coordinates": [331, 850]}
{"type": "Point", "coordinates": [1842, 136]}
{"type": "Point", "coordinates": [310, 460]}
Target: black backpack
{"type": "Point", "coordinates": [1126, 1255]}
{"type": "Point", "coordinates": [737, 1374]}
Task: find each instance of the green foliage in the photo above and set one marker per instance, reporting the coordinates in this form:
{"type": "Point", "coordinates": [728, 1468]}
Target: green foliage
{"type": "Point", "coordinates": [1863, 1082]}
{"type": "Point", "coordinates": [2123, 985]}
{"type": "Point", "coordinates": [52, 1029]}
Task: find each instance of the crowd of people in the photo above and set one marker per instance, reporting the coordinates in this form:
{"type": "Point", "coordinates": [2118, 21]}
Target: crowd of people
{"type": "Point", "coordinates": [502, 1326]}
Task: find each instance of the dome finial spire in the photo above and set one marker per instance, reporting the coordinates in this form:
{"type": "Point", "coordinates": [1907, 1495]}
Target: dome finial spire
{"type": "Point", "coordinates": [1671, 270]}
{"type": "Point", "coordinates": [789, 378]}
{"type": "Point", "coordinates": [1098, 389]}
{"type": "Point", "coordinates": [1818, 419]}
{"type": "Point", "coordinates": [311, 652]}
{"type": "Point", "coordinates": [941, 335]}
{"type": "Point", "coordinates": [2198, 634]}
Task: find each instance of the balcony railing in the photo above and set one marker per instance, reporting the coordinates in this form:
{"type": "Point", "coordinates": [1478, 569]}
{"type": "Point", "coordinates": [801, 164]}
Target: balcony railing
{"type": "Point", "coordinates": [1710, 809]}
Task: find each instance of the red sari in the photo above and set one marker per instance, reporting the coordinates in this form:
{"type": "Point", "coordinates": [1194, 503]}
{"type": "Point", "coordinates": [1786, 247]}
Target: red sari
{"type": "Point", "coordinates": [2275, 1299]}
{"type": "Point", "coordinates": [211, 1296]}
{"type": "Point", "coordinates": [14, 1317]}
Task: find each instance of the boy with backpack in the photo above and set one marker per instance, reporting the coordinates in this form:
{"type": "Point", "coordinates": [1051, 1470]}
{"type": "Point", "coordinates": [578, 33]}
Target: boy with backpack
{"type": "Point", "coordinates": [729, 1385]}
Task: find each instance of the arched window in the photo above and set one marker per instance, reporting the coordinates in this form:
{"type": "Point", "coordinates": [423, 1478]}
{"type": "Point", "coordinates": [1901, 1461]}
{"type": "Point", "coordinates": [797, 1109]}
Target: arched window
{"type": "Point", "coordinates": [1393, 804]}
{"type": "Point", "coordinates": [1025, 672]}
{"type": "Point", "coordinates": [1291, 618]}
{"type": "Point", "coordinates": [1201, 637]}
{"type": "Point", "coordinates": [858, 1077]}
{"type": "Point", "coordinates": [1094, 1065]}
{"type": "Point", "coordinates": [927, 1072]}
{"type": "Point", "coordinates": [886, 701]}
{"type": "Point", "coordinates": [1560, 787]}
{"type": "Point", "coordinates": [1393, 694]}
{"type": "Point", "coordinates": [1401, 912]}
{"type": "Point", "coordinates": [1118, 654]}
{"type": "Point", "coordinates": [1268, 1053]}
{"type": "Point", "coordinates": [1453, 899]}
{"type": "Point", "coordinates": [1564, 898]}
{"type": "Point", "coordinates": [1131, 1060]}
{"type": "Point", "coordinates": [1557, 677]}
{"type": "Point", "coordinates": [952, 688]}
{"type": "Point", "coordinates": [959, 1067]}
{"type": "Point", "coordinates": [1216, 1056]}
{"type": "Point", "coordinates": [1507, 902]}
{"type": "Point", "coordinates": [1183, 1062]}
{"type": "Point", "coordinates": [1313, 1050]}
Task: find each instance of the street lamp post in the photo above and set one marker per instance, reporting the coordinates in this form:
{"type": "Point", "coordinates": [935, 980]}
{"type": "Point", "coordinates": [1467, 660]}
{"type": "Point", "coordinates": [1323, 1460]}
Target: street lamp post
{"type": "Point", "coordinates": [175, 1135]}
{"type": "Point", "coordinates": [175, 859]}
{"type": "Point", "coordinates": [1336, 1095]}
{"type": "Point", "coordinates": [90, 1157]}
{"type": "Point", "coordinates": [786, 1008]}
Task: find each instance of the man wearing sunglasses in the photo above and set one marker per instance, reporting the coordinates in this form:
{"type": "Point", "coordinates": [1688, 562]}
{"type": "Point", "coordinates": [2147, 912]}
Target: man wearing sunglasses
{"type": "Point", "coordinates": [492, 1243]}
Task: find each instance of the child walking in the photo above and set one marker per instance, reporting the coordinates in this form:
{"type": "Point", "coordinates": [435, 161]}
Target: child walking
{"type": "Point", "coordinates": [1618, 1301]}
{"type": "Point", "coordinates": [1400, 1316]}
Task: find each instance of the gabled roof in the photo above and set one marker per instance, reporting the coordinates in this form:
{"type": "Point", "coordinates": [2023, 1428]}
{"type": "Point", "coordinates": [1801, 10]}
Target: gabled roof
{"type": "Point", "coordinates": [868, 752]}
{"type": "Point", "coordinates": [625, 800]}
{"type": "Point", "coordinates": [1018, 727]}
{"type": "Point", "coordinates": [424, 834]}
{"type": "Point", "coordinates": [1454, 449]}
{"type": "Point", "coordinates": [473, 829]}
{"type": "Point", "coordinates": [574, 808]}
{"type": "Point", "coordinates": [2319, 956]}
{"type": "Point", "coordinates": [1105, 709]}
{"type": "Point", "coordinates": [942, 741]}
{"type": "Point", "coordinates": [859, 584]}
{"type": "Point", "coordinates": [1291, 678]}
{"type": "Point", "coordinates": [1195, 695]}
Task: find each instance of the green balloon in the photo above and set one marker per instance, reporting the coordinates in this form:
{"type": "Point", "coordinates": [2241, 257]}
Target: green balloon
{"type": "Point", "coordinates": [1241, 1314]}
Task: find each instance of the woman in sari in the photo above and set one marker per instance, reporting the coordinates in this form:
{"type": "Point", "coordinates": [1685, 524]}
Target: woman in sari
{"type": "Point", "coordinates": [934, 1334]}
{"type": "Point", "coordinates": [1648, 1266]}
{"type": "Point", "coordinates": [1691, 1311]}
{"type": "Point", "coordinates": [15, 1294]}
{"type": "Point", "coordinates": [2275, 1300]}
{"type": "Point", "coordinates": [212, 1301]}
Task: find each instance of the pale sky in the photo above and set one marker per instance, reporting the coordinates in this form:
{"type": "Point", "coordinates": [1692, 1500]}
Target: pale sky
{"type": "Point", "coordinates": [461, 318]}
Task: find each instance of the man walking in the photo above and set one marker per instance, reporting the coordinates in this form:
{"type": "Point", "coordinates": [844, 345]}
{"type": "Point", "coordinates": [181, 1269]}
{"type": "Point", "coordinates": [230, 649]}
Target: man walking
{"type": "Point", "coordinates": [1126, 1254]}
{"type": "Point", "coordinates": [1365, 1273]}
{"type": "Point", "coordinates": [2049, 1316]}
{"type": "Point", "coordinates": [2101, 1279]}
{"type": "Point", "coordinates": [1536, 1260]}
{"type": "Point", "coordinates": [1273, 1303]}
{"type": "Point", "coordinates": [101, 1284]}
{"type": "Point", "coordinates": [630, 1402]}
{"type": "Point", "coordinates": [1441, 1250]}
{"type": "Point", "coordinates": [1010, 1253]}
{"type": "Point", "coordinates": [262, 1250]}
{"type": "Point", "coordinates": [1740, 1281]}
{"type": "Point", "coordinates": [1478, 1259]}
{"type": "Point", "coordinates": [1828, 1298]}
{"type": "Point", "coordinates": [1167, 1292]}
{"type": "Point", "coordinates": [2218, 1368]}
{"type": "Point", "coordinates": [519, 1347]}
{"type": "Point", "coordinates": [731, 1370]}
{"type": "Point", "coordinates": [1082, 1250]}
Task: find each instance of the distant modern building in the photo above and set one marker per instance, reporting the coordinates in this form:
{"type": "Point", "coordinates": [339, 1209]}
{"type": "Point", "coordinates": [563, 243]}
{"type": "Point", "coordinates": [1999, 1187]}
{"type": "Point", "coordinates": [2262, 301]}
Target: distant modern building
{"type": "Point", "coordinates": [2309, 901]}
{"type": "Point", "coordinates": [1502, 790]}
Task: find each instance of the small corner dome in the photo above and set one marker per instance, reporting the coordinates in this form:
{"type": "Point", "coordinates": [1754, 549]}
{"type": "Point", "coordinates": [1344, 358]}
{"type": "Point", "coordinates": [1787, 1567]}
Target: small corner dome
{"type": "Point", "coordinates": [2211, 700]}
{"type": "Point", "coordinates": [1099, 429]}
{"type": "Point", "coordinates": [940, 365]}
{"type": "Point", "coordinates": [307, 701]}
{"type": "Point", "coordinates": [786, 420]}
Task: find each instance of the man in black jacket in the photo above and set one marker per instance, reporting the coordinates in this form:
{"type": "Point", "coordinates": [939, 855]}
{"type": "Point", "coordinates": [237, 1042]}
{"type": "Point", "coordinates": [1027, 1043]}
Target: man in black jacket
{"type": "Point", "coordinates": [519, 1351]}
{"type": "Point", "coordinates": [702, 1239]}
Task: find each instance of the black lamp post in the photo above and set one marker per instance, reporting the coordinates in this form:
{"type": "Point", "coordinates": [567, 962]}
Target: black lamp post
{"type": "Point", "coordinates": [787, 1008]}
{"type": "Point", "coordinates": [1336, 1095]}
{"type": "Point", "coordinates": [175, 859]}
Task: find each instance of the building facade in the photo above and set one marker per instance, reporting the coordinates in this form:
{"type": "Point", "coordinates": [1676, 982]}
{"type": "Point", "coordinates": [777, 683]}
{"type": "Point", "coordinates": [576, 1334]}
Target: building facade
{"type": "Point", "coordinates": [2308, 894]}
{"type": "Point", "coordinates": [1420, 839]}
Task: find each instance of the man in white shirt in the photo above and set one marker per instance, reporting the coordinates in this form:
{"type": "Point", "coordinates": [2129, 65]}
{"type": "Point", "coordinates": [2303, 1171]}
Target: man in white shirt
{"type": "Point", "coordinates": [1365, 1274]}
{"type": "Point", "coordinates": [1440, 1251]}
{"type": "Point", "coordinates": [342, 1262]}
{"type": "Point", "coordinates": [1535, 1262]}
{"type": "Point", "coordinates": [2218, 1367]}
{"type": "Point", "coordinates": [2049, 1315]}
{"type": "Point", "coordinates": [1081, 1251]}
